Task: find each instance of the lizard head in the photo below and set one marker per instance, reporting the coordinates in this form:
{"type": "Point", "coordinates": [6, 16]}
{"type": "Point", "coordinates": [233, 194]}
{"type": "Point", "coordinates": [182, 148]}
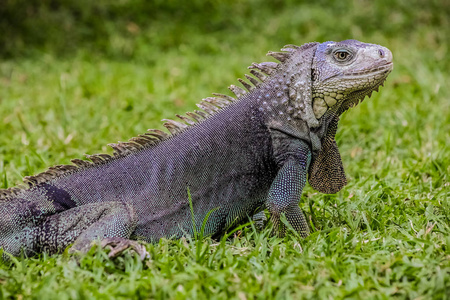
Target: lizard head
{"type": "Point", "coordinates": [343, 73]}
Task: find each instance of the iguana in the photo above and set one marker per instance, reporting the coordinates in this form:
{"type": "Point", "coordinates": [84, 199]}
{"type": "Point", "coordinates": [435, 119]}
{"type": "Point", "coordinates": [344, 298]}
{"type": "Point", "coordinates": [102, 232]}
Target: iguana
{"type": "Point", "coordinates": [235, 157]}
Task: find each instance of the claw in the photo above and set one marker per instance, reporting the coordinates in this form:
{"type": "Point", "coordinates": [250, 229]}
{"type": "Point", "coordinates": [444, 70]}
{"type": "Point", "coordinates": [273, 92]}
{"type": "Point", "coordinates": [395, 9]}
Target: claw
{"type": "Point", "coordinates": [118, 245]}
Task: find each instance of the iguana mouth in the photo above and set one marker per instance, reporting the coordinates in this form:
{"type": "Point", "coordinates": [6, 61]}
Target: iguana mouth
{"type": "Point", "coordinates": [358, 96]}
{"type": "Point", "coordinates": [368, 81]}
{"type": "Point", "coordinates": [383, 69]}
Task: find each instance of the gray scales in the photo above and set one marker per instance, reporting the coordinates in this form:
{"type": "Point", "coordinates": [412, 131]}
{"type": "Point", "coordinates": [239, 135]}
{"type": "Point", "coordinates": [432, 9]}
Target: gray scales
{"type": "Point", "coordinates": [236, 157]}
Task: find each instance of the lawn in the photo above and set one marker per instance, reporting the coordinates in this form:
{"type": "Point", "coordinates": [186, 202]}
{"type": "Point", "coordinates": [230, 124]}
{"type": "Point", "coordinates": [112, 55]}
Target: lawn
{"type": "Point", "coordinates": [76, 76]}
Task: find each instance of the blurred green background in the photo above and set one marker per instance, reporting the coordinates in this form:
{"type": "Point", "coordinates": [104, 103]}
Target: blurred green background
{"type": "Point", "coordinates": [77, 75]}
{"type": "Point", "coordinates": [130, 29]}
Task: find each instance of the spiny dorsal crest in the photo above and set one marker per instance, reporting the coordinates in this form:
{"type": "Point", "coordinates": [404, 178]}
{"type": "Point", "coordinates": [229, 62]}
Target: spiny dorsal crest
{"type": "Point", "coordinates": [209, 106]}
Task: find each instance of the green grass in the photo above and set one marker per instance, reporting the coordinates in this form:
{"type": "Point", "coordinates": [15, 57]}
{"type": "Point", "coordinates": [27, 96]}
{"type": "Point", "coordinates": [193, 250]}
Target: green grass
{"type": "Point", "coordinates": [385, 235]}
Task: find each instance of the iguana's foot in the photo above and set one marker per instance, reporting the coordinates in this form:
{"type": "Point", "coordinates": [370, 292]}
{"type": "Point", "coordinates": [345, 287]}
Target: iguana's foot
{"type": "Point", "coordinates": [118, 245]}
{"type": "Point", "coordinates": [260, 220]}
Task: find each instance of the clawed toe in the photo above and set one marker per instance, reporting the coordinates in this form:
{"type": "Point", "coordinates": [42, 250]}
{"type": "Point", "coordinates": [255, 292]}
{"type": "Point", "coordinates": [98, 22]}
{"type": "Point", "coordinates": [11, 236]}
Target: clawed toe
{"type": "Point", "coordinates": [118, 245]}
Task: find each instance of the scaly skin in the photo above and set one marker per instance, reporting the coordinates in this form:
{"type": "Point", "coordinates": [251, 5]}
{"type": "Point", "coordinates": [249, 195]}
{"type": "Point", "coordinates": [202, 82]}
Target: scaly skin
{"type": "Point", "coordinates": [235, 158]}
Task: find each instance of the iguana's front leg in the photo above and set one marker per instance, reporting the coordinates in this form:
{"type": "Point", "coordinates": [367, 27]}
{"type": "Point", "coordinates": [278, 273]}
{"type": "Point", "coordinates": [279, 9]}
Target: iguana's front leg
{"type": "Point", "coordinates": [286, 190]}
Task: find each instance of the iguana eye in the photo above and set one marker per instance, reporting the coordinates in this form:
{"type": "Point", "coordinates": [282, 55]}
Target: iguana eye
{"type": "Point", "coordinates": [342, 55]}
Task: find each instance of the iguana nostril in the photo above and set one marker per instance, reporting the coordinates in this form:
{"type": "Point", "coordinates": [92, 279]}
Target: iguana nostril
{"type": "Point", "coordinates": [381, 53]}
